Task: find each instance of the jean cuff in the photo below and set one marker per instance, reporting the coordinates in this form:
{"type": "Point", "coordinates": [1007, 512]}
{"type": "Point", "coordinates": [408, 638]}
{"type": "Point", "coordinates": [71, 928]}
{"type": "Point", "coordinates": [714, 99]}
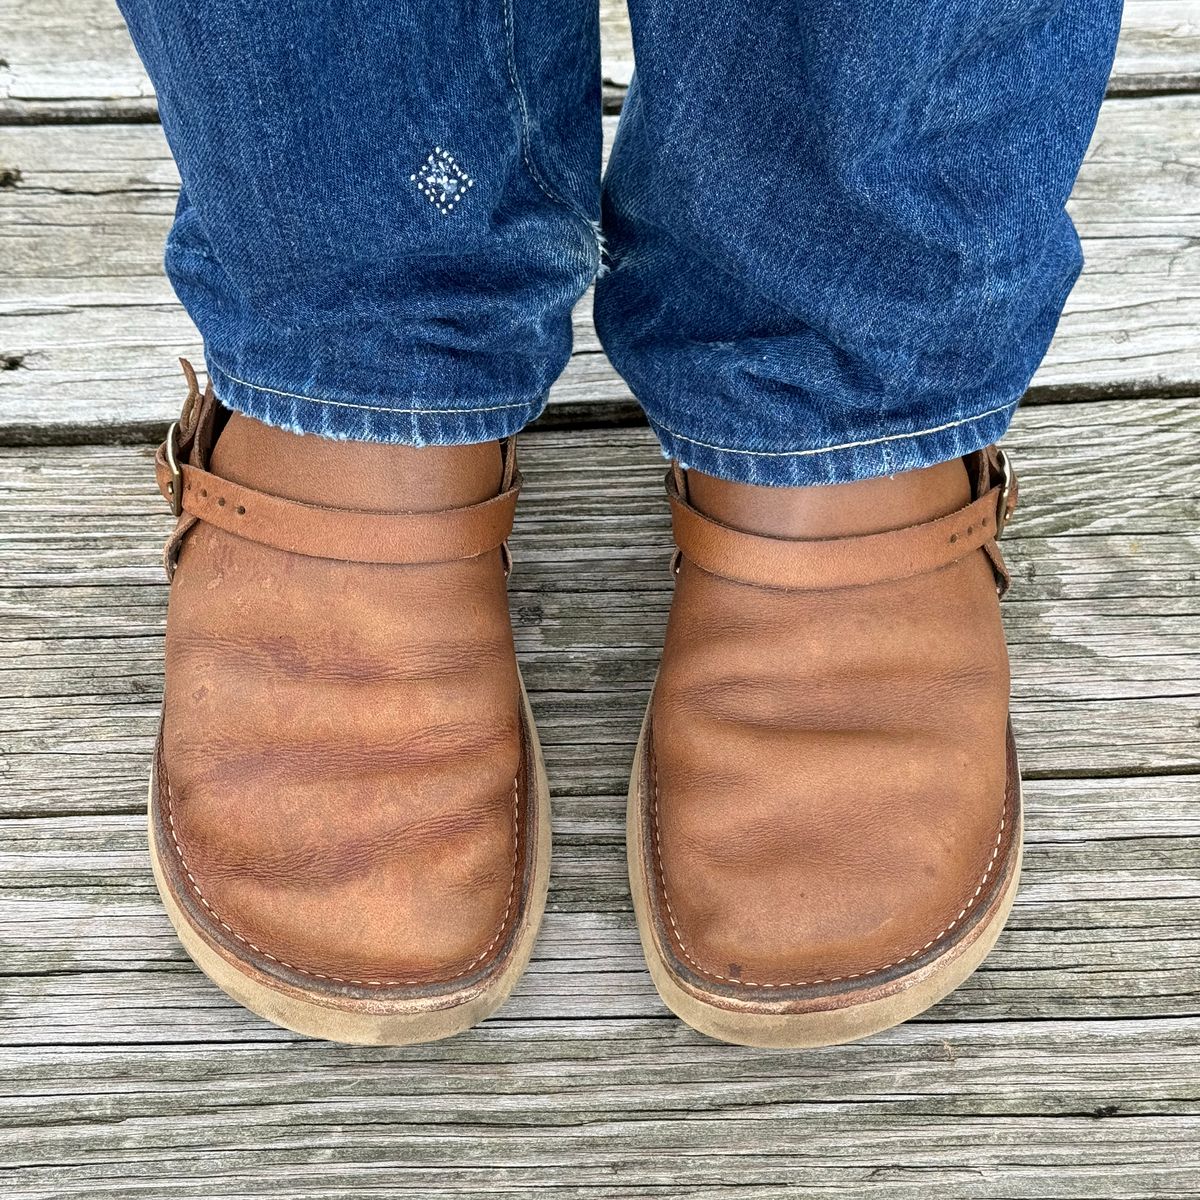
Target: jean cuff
{"type": "Point", "coordinates": [345, 419]}
{"type": "Point", "coordinates": [847, 462]}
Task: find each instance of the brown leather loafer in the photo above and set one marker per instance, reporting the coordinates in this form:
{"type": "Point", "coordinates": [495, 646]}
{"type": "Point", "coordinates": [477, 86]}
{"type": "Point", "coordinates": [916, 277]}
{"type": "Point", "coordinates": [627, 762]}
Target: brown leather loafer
{"type": "Point", "coordinates": [349, 817]}
{"type": "Point", "coordinates": [825, 814]}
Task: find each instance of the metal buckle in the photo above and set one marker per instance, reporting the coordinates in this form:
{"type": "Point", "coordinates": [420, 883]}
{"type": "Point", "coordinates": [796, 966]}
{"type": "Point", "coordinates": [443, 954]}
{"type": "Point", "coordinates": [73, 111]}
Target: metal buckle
{"type": "Point", "coordinates": [1005, 490]}
{"type": "Point", "coordinates": [175, 487]}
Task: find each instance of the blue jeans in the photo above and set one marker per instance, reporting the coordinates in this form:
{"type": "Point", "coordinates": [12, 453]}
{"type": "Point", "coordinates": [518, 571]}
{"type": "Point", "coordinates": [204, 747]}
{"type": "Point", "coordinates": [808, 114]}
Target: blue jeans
{"type": "Point", "coordinates": [833, 231]}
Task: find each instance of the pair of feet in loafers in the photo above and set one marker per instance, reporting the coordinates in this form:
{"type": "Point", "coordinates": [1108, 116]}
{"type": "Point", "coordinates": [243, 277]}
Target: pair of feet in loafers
{"type": "Point", "coordinates": [349, 816]}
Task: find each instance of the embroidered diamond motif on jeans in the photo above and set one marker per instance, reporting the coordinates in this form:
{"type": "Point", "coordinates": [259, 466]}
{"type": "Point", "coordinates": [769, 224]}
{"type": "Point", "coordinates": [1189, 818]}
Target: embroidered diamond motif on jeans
{"type": "Point", "coordinates": [442, 181]}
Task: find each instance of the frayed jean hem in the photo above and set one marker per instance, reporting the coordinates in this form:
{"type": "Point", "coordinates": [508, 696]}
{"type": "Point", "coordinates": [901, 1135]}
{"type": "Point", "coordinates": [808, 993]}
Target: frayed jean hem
{"type": "Point", "coordinates": [847, 462]}
{"type": "Point", "coordinates": [369, 420]}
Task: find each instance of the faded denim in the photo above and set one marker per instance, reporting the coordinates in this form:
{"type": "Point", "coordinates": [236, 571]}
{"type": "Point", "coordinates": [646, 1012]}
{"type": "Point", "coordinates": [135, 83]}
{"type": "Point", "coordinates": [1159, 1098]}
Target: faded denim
{"type": "Point", "coordinates": [836, 241]}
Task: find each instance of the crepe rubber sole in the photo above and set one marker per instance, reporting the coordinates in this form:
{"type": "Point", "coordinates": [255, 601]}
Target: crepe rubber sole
{"type": "Point", "coordinates": [779, 1024]}
{"type": "Point", "coordinates": [378, 1021]}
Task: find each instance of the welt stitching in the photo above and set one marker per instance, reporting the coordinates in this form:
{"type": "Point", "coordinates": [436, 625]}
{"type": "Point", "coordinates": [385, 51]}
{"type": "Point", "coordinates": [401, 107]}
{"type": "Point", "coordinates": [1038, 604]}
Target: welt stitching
{"type": "Point", "coordinates": [891, 437]}
{"type": "Point", "coordinates": [338, 978]}
{"type": "Point", "coordinates": [424, 412]}
{"type": "Point", "coordinates": [933, 941]}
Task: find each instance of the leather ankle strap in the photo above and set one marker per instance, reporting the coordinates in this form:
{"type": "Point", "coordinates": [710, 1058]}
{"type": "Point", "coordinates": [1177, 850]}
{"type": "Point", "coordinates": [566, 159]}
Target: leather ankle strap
{"type": "Point", "coordinates": [795, 564]}
{"type": "Point", "coordinates": [346, 535]}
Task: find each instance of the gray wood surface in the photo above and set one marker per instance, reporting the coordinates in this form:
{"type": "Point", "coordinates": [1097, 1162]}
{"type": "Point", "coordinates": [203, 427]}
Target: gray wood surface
{"type": "Point", "coordinates": [1103, 626]}
{"type": "Point", "coordinates": [92, 329]}
{"type": "Point", "coordinates": [1066, 1067]}
{"type": "Point", "coordinates": [621, 1109]}
{"type": "Point", "coordinates": [72, 59]}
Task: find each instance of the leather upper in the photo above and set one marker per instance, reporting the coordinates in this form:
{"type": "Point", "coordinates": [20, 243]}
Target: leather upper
{"type": "Point", "coordinates": [342, 773]}
{"type": "Point", "coordinates": [827, 788]}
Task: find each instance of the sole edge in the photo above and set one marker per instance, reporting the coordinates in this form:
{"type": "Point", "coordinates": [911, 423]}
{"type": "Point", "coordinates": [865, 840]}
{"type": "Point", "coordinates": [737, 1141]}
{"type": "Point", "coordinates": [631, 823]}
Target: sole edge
{"type": "Point", "coordinates": [804, 1030]}
{"type": "Point", "coordinates": [427, 1021]}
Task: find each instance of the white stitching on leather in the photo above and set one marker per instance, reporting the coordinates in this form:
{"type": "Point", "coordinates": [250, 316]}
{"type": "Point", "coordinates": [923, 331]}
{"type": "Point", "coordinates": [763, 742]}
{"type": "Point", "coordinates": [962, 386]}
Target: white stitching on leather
{"type": "Point", "coordinates": [807, 982]}
{"type": "Point", "coordinates": [338, 978]}
{"type": "Point", "coordinates": [891, 437]}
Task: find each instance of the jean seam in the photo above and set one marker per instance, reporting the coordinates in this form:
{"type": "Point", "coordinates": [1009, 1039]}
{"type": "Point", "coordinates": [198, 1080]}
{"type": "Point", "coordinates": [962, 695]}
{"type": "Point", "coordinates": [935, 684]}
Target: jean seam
{"type": "Point", "coordinates": [892, 437]}
{"type": "Point", "coordinates": [424, 412]}
{"type": "Point", "coordinates": [527, 125]}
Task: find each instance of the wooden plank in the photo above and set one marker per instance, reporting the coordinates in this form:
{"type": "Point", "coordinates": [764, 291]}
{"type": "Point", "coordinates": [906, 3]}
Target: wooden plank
{"type": "Point", "coordinates": [966, 1060]}
{"type": "Point", "coordinates": [1065, 1068]}
{"type": "Point", "coordinates": [72, 60]}
{"type": "Point", "coordinates": [90, 330]}
{"type": "Point", "coordinates": [1159, 49]}
{"type": "Point", "coordinates": [1101, 623]}
{"type": "Point", "coordinates": [1107, 925]}
{"type": "Point", "coordinates": [616, 44]}
{"type": "Point", "coordinates": [617, 1110]}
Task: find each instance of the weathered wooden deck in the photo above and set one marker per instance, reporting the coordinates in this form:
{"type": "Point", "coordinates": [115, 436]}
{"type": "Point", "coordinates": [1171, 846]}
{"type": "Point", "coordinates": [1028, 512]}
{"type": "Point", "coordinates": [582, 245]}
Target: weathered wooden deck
{"type": "Point", "coordinates": [1069, 1066]}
